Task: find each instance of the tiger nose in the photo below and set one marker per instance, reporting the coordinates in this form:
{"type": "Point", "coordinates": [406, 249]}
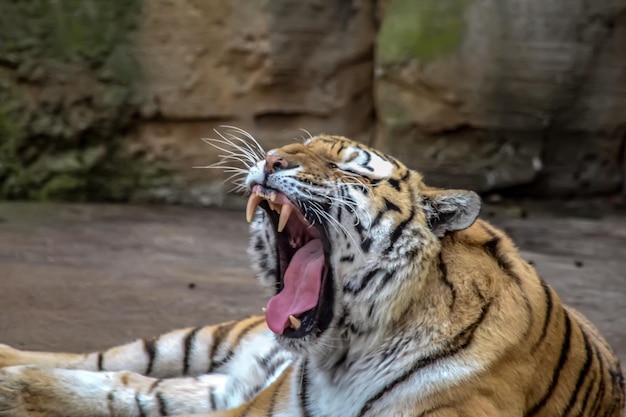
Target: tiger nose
{"type": "Point", "coordinates": [275, 163]}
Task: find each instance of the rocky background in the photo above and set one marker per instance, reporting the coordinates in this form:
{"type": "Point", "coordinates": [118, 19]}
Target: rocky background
{"type": "Point", "coordinates": [108, 100]}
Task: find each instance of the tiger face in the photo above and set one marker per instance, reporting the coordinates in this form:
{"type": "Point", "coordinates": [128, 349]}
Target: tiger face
{"type": "Point", "coordinates": [340, 232]}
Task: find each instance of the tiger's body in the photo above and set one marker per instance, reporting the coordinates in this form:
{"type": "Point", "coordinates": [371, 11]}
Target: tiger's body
{"type": "Point", "coordinates": [390, 298]}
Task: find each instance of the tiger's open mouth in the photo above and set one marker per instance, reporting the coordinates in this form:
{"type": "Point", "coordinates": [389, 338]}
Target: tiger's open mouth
{"type": "Point", "coordinates": [303, 302]}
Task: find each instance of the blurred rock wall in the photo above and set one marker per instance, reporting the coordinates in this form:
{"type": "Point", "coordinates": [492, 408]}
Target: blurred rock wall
{"type": "Point", "coordinates": [109, 100]}
{"type": "Point", "coordinates": [491, 94]}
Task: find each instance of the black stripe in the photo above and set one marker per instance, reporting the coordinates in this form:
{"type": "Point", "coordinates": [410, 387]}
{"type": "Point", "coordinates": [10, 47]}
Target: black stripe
{"type": "Point", "coordinates": [340, 209]}
{"type": "Point", "coordinates": [188, 346]}
{"type": "Point", "coordinates": [556, 373]}
{"type": "Point", "coordinates": [226, 358]}
{"type": "Point", "coordinates": [492, 246]}
{"type": "Point", "coordinates": [270, 410]}
{"type": "Point", "coordinates": [271, 361]}
{"type": "Point", "coordinates": [444, 277]}
{"type": "Point", "coordinates": [340, 362]}
{"type": "Point", "coordinates": [461, 341]}
{"type": "Point", "coordinates": [367, 278]}
{"type": "Point", "coordinates": [100, 361]}
{"type": "Point", "coordinates": [247, 329]}
{"type": "Point", "coordinates": [389, 206]}
{"type": "Point", "coordinates": [246, 411]}
{"type": "Point", "coordinates": [218, 337]}
{"type": "Point", "coordinates": [347, 258]}
{"type": "Point", "coordinates": [586, 396]}
{"type": "Point", "coordinates": [397, 232]}
{"type": "Point", "coordinates": [142, 411]}
{"type": "Point", "coordinates": [149, 346]}
{"type": "Point", "coordinates": [162, 404]}
{"type": "Point", "coordinates": [394, 183]}
{"type": "Point", "coordinates": [368, 159]}
{"type": "Point", "coordinates": [155, 384]}
{"type": "Point", "coordinates": [582, 375]}
{"type": "Point", "coordinates": [508, 266]}
{"type": "Point", "coordinates": [365, 245]}
{"type": "Point", "coordinates": [595, 408]}
{"type": "Point", "coordinates": [359, 228]}
{"type": "Point", "coordinates": [391, 350]}
{"type": "Point", "coordinates": [110, 403]}
{"type": "Point", "coordinates": [377, 219]}
{"type": "Point", "coordinates": [212, 404]}
{"type": "Point", "coordinates": [304, 386]}
{"type": "Point", "coordinates": [229, 354]}
{"type": "Point", "coordinates": [549, 303]}
{"type": "Point", "coordinates": [385, 280]}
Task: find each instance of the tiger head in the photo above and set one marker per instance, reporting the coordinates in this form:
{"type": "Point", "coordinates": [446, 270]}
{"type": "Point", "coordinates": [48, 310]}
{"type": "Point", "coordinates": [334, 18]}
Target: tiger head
{"type": "Point", "coordinates": [341, 234]}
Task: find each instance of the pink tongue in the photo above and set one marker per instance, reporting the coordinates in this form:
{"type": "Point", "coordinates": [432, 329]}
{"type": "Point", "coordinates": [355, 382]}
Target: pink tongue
{"type": "Point", "coordinates": [302, 283]}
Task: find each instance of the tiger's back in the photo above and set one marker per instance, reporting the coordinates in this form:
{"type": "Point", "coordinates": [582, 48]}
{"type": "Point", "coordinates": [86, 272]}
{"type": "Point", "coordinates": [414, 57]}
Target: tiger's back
{"type": "Point", "coordinates": [558, 360]}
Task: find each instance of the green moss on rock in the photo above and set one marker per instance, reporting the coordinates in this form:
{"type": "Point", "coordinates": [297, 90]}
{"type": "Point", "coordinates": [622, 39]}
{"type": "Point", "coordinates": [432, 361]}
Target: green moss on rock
{"type": "Point", "coordinates": [68, 97]}
{"type": "Point", "coordinates": [422, 30]}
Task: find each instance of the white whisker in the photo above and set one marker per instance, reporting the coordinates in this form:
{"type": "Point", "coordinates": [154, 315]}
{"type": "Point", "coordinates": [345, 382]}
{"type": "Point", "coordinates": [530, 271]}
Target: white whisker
{"type": "Point", "coordinates": [262, 152]}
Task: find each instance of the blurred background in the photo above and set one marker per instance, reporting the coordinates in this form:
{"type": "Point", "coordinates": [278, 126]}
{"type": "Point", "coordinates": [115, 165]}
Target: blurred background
{"type": "Point", "coordinates": [109, 100]}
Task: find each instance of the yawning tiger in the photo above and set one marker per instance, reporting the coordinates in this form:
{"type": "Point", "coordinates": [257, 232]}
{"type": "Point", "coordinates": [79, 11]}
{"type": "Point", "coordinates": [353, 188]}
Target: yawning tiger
{"type": "Point", "coordinates": [389, 298]}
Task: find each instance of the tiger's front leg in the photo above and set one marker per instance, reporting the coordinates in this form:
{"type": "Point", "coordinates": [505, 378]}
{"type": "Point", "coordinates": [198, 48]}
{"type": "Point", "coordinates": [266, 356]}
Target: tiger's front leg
{"type": "Point", "coordinates": [229, 363]}
{"type": "Point", "coordinates": [191, 351]}
{"type": "Point", "coordinates": [29, 391]}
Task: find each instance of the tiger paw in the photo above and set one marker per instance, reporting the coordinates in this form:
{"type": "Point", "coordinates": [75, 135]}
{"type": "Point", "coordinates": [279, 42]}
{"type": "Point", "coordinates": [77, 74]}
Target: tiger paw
{"type": "Point", "coordinates": [12, 391]}
{"type": "Point", "coordinates": [29, 391]}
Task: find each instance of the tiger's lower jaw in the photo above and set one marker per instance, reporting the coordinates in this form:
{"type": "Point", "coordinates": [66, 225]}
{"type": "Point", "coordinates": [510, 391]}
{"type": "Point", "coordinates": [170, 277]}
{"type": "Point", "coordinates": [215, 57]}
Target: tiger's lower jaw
{"type": "Point", "coordinates": [304, 302]}
{"type": "Point", "coordinates": [314, 322]}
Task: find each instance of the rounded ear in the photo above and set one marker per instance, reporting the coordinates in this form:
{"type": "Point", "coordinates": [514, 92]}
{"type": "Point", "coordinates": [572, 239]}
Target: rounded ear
{"type": "Point", "coordinates": [450, 210]}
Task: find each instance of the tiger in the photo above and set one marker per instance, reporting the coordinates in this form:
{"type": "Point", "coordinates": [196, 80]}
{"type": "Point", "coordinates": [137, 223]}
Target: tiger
{"type": "Point", "coordinates": [389, 297]}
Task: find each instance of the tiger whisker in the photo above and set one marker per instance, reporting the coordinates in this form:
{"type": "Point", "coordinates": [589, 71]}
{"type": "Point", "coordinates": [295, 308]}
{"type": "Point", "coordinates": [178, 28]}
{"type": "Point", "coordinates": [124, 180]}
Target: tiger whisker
{"type": "Point", "coordinates": [246, 144]}
{"type": "Point", "coordinates": [243, 154]}
{"type": "Point", "coordinates": [249, 136]}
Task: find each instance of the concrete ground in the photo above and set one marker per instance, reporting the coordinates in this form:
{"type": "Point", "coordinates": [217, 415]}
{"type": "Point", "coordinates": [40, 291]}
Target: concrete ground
{"type": "Point", "coordinates": [84, 277]}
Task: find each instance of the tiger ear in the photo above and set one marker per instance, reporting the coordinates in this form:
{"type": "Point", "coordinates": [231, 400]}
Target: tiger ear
{"type": "Point", "coordinates": [450, 210]}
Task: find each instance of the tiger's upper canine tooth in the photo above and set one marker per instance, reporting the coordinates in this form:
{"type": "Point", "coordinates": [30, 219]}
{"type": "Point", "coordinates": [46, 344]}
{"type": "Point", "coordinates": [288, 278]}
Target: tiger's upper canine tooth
{"type": "Point", "coordinates": [285, 212]}
{"type": "Point", "coordinates": [253, 202]}
{"type": "Point", "coordinates": [273, 197]}
{"type": "Point", "coordinates": [295, 323]}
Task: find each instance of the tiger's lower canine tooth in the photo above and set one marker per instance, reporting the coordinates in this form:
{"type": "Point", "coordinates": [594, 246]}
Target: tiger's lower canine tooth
{"type": "Point", "coordinates": [253, 202]}
{"type": "Point", "coordinates": [275, 207]}
{"type": "Point", "coordinates": [284, 216]}
{"type": "Point", "coordinates": [295, 323]}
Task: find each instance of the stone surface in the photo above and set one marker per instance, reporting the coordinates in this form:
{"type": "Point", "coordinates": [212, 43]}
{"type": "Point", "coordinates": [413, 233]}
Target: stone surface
{"type": "Point", "coordinates": [84, 277]}
{"type": "Point", "coordinates": [67, 94]}
{"type": "Point", "coordinates": [541, 78]}
{"type": "Point", "coordinates": [109, 100]}
{"type": "Point", "coordinates": [272, 68]}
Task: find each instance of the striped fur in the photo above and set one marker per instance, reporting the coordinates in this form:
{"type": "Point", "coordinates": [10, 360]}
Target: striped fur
{"type": "Point", "coordinates": [434, 313]}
